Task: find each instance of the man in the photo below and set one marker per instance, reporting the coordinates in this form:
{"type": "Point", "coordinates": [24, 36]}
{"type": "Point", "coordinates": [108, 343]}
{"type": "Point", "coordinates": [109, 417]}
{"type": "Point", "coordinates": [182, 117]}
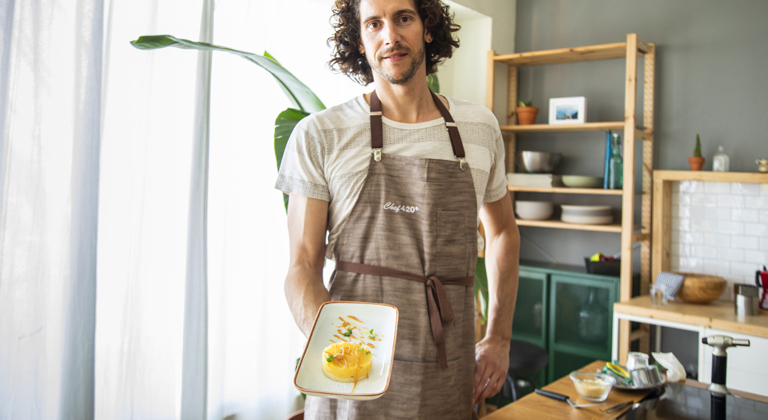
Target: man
{"type": "Point", "coordinates": [397, 186]}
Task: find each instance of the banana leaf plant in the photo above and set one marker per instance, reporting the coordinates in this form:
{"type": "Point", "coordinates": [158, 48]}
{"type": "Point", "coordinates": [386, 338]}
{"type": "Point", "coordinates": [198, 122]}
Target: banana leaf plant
{"type": "Point", "coordinates": [303, 101]}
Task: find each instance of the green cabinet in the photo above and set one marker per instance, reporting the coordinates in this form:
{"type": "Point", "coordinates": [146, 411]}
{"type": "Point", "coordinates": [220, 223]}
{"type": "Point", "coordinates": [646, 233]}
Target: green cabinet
{"type": "Point", "coordinates": [568, 313]}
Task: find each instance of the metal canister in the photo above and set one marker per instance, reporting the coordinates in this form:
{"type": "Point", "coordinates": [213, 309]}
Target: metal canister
{"type": "Point", "coordinates": [747, 300]}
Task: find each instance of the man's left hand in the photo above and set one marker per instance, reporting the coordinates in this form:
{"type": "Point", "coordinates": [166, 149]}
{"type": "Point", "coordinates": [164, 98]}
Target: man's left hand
{"type": "Point", "coordinates": [492, 357]}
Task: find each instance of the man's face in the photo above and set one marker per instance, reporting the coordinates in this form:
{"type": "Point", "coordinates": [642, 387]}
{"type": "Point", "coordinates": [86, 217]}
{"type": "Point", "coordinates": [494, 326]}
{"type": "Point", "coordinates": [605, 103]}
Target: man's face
{"type": "Point", "coordinates": [392, 38]}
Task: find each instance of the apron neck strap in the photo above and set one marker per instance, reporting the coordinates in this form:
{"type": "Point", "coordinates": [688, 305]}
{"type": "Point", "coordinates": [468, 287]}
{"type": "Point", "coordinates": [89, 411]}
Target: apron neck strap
{"type": "Point", "coordinates": [377, 138]}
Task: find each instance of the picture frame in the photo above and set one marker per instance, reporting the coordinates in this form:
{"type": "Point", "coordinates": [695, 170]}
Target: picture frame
{"type": "Point", "coordinates": [571, 110]}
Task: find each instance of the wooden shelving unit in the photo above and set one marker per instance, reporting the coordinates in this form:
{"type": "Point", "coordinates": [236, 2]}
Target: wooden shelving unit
{"type": "Point", "coordinates": [633, 131]}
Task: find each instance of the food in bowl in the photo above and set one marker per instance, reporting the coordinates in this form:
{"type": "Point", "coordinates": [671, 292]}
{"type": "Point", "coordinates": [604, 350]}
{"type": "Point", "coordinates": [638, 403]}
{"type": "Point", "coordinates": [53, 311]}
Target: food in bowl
{"type": "Point", "coordinates": [534, 210]}
{"type": "Point", "coordinates": [347, 362]}
{"type": "Point", "coordinates": [592, 386]}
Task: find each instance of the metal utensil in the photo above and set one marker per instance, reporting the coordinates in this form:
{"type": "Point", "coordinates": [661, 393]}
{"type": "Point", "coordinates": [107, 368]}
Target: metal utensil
{"type": "Point", "coordinates": [619, 407]}
{"type": "Point", "coordinates": [565, 398]}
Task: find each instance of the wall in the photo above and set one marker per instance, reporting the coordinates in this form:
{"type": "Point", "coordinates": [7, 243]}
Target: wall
{"type": "Point", "coordinates": [710, 63]}
{"type": "Point", "coordinates": [485, 25]}
{"type": "Point", "coordinates": [719, 228]}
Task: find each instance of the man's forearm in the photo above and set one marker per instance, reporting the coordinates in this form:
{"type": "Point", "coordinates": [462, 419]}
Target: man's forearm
{"type": "Point", "coordinates": [502, 266]}
{"type": "Point", "coordinates": [305, 293]}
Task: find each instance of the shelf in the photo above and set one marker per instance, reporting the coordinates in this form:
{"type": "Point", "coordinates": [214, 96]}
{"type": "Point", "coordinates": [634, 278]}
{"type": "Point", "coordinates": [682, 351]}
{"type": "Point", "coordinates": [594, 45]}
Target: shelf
{"type": "Point", "coordinates": [662, 207]}
{"type": "Point", "coordinates": [570, 55]}
{"type": "Point", "coordinates": [637, 127]}
{"type": "Point", "coordinates": [556, 224]}
{"type": "Point", "coordinates": [546, 128]}
{"type": "Point", "coordinates": [565, 190]}
{"type": "Point", "coordinates": [640, 133]}
{"type": "Point", "coordinates": [709, 176]}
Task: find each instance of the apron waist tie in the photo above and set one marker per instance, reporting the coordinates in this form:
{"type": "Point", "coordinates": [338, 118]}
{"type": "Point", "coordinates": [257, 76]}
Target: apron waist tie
{"type": "Point", "coordinates": [438, 306]}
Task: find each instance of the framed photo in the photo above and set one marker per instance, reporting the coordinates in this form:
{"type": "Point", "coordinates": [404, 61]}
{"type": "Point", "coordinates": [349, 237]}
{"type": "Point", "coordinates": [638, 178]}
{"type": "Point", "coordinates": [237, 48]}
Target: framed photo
{"type": "Point", "coordinates": [568, 110]}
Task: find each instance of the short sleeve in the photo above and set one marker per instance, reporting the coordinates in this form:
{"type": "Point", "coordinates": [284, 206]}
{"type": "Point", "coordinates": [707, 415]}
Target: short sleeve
{"type": "Point", "coordinates": [497, 177]}
{"type": "Point", "coordinates": [301, 170]}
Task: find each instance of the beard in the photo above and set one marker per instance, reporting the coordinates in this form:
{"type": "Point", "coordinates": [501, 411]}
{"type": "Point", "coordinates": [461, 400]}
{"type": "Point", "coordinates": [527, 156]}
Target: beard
{"type": "Point", "coordinates": [404, 78]}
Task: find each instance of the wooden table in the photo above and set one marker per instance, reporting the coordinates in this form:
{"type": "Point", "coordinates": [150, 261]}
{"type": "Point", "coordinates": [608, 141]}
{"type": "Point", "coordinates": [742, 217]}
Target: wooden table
{"type": "Point", "coordinates": [539, 407]}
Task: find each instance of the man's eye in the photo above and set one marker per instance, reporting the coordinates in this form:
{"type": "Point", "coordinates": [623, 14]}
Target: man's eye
{"type": "Point", "coordinates": [373, 25]}
{"type": "Point", "coordinates": [405, 19]}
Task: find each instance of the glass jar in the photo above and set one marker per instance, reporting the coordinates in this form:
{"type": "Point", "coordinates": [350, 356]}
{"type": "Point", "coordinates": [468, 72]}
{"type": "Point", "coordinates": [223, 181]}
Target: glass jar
{"type": "Point", "coordinates": [593, 324]}
{"type": "Point", "coordinates": [721, 162]}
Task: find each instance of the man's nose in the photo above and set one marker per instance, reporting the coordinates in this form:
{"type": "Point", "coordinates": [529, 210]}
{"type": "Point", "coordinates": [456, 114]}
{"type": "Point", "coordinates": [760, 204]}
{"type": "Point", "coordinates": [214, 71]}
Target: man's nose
{"type": "Point", "coordinates": [391, 34]}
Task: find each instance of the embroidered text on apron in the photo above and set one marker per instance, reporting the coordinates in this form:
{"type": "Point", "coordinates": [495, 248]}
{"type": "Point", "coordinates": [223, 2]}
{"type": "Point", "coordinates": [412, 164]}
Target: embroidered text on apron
{"type": "Point", "coordinates": [410, 242]}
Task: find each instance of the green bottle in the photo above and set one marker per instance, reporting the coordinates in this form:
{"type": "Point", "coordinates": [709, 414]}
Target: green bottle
{"type": "Point", "coordinates": [616, 165]}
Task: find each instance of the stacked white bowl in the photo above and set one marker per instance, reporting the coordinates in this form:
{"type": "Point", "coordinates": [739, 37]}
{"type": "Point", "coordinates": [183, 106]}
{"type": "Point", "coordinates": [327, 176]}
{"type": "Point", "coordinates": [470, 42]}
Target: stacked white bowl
{"type": "Point", "coordinates": [591, 215]}
{"type": "Point", "coordinates": [534, 210]}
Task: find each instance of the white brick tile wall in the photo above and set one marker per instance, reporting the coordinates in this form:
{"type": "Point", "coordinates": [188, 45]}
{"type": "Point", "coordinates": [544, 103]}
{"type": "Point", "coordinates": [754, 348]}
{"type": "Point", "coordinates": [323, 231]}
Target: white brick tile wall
{"type": "Point", "coordinates": [719, 228]}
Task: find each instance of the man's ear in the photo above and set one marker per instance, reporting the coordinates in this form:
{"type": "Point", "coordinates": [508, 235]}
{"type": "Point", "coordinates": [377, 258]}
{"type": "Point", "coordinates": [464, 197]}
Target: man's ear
{"type": "Point", "coordinates": [427, 37]}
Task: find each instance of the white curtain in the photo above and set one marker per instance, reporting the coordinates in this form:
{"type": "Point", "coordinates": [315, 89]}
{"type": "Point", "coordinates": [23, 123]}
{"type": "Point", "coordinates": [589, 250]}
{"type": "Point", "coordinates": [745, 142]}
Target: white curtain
{"type": "Point", "coordinates": [116, 300]}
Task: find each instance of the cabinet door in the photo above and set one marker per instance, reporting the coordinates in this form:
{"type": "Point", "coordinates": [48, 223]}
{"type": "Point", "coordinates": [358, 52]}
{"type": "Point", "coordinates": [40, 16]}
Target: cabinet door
{"type": "Point", "coordinates": [581, 309]}
{"type": "Point", "coordinates": [531, 308]}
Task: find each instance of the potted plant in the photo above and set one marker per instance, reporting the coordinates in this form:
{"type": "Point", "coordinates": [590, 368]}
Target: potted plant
{"type": "Point", "coordinates": [697, 160]}
{"type": "Point", "coordinates": [526, 113]}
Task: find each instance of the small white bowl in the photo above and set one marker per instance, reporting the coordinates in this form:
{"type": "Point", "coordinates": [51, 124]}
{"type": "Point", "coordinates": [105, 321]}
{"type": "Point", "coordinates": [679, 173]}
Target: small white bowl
{"type": "Point", "coordinates": [592, 386]}
{"type": "Point", "coordinates": [582, 181]}
{"type": "Point", "coordinates": [534, 210]}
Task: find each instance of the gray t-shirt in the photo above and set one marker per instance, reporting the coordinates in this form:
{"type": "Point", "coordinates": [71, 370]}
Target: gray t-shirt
{"type": "Point", "coordinates": [328, 154]}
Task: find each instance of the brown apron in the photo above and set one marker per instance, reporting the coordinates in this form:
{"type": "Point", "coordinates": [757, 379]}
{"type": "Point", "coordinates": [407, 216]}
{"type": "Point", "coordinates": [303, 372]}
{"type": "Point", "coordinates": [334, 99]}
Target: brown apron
{"type": "Point", "coordinates": [410, 242]}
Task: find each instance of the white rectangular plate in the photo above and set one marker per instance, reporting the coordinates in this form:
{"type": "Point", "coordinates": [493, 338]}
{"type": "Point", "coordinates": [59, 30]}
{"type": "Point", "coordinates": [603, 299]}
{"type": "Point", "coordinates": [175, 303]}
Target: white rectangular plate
{"type": "Point", "coordinates": [382, 318]}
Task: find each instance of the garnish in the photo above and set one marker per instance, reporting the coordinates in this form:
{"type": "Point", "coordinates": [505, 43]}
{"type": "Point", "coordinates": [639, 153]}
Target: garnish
{"type": "Point", "coordinates": [371, 335]}
{"type": "Point", "coordinates": [329, 359]}
{"type": "Point", "coordinates": [348, 332]}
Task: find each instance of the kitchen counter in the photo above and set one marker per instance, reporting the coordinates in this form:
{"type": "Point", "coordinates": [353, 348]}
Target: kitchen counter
{"type": "Point", "coordinates": [715, 318]}
{"type": "Point", "coordinates": [687, 399]}
{"type": "Point", "coordinates": [718, 315]}
{"type": "Point", "coordinates": [535, 406]}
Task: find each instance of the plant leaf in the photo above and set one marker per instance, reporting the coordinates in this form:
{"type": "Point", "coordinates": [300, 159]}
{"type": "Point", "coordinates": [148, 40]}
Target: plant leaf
{"type": "Point", "coordinates": [297, 92]}
{"type": "Point", "coordinates": [284, 124]}
{"type": "Point", "coordinates": [481, 287]}
{"type": "Point", "coordinates": [433, 83]}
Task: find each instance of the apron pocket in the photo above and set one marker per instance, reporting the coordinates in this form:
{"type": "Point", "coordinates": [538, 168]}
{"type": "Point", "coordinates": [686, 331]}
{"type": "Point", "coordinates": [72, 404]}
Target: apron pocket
{"type": "Point", "coordinates": [451, 259]}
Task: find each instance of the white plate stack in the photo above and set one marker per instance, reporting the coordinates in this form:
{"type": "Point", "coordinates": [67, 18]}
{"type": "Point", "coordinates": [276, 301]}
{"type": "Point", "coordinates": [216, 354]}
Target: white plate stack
{"type": "Point", "coordinates": [589, 215]}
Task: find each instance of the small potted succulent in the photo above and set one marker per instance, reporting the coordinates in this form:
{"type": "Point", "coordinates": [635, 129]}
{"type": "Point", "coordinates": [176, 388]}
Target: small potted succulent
{"type": "Point", "coordinates": [526, 113]}
{"type": "Point", "coordinates": [697, 160]}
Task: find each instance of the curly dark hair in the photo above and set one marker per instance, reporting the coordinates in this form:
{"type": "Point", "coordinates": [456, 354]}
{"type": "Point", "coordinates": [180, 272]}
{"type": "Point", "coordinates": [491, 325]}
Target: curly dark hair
{"type": "Point", "coordinates": [347, 58]}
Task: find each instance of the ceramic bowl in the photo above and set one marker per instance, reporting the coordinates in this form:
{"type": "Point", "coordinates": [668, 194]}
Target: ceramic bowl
{"type": "Point", "coordinates": [582, 181]}
{"type": "Point", "coordinates": [579, 210]}
{"type": "Point", "coordinates": [534, 210]}
{"type": "Point", "coordinates": [592, 386]}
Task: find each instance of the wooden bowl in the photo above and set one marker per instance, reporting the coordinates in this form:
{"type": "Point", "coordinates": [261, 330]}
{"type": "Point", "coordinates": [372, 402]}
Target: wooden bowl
{"type": "Point", "coordinates": [701, 288]}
